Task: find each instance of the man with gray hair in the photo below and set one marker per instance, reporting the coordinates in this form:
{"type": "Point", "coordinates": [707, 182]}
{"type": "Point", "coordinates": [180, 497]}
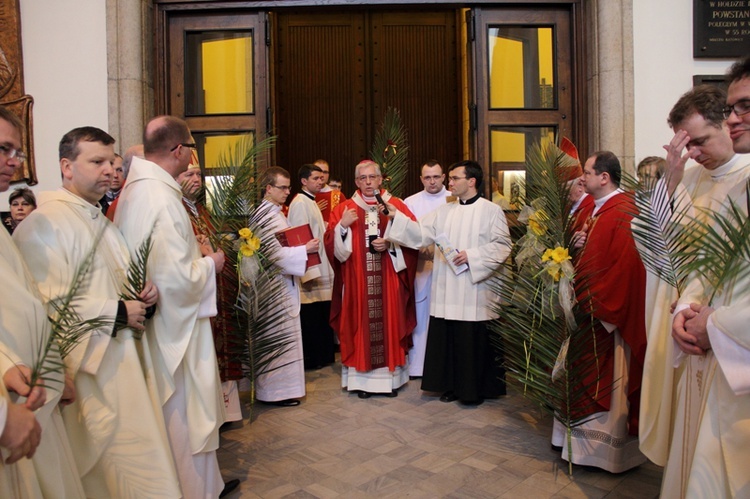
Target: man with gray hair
{"type": "Point", "coordinates": [372, 306]}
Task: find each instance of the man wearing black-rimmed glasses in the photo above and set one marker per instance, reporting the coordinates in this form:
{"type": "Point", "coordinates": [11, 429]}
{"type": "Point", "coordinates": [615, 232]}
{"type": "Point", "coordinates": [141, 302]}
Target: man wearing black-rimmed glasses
{"type": "Point", "coordinates": [701, 133]}
{"type": "Point", "coordinates": [711, 433]}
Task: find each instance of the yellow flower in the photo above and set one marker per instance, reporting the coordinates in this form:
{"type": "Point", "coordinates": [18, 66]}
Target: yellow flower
{"type": "Point", "coordinates": [246, 250]}
{"type": "Point", "coordinates": [536, 227]}
{"type": "Point", "coordinates": [537, 222]}
{"type": "Point", "coordinates": [253, 243]}
{"type": "Point", "coordinates": [554, 271]}
{"type": "Point", "coordinates": [246, 233]}
{"type": "Point", "coordinates": [559, 254]}
{"type": "Point", "coordinates": [547, 256]}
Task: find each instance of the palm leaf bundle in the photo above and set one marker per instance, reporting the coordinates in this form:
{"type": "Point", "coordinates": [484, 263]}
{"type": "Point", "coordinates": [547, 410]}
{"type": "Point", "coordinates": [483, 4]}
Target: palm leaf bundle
{"type": "Point", "coordinates": [663, 231]}
{"type": "Point", "coordinates": [240, 228]}
{"type": "Point", "coordinates": [548, 338]}
{"type": "Point", "coordinates": [262, 299]}
{"type": "Point", "coordinates": [67, 328]}
{"type": "Point", "coordinates": [390, 149]}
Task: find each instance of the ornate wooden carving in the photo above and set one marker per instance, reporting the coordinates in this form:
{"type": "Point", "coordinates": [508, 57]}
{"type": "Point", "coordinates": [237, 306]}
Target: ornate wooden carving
{"type": "Point", "coordinates": [11, 83]}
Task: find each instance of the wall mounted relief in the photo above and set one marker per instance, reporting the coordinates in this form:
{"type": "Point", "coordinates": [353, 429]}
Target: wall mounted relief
{"type": "Point", "coordinates": [11, 83]}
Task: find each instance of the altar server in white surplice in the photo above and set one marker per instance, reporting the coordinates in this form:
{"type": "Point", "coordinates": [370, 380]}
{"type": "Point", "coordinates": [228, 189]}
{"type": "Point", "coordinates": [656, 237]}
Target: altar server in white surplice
{"type": "Point", "coordinates": [316, 285]}
{"type": "Point", "coordinates": [179, 334]}
{"type": "Point", "coordinates": [115, 426]}
{"type": "Point", "coordinates": [284, 385]}
{"type": "Point", "coordinates": [671, 395]}
{"type": "Point", "coordinates": [432, 197]}
{"type": "Point", "coordinates": [23, 327]}
{"type": "Point", "coordinates": [473, 234]}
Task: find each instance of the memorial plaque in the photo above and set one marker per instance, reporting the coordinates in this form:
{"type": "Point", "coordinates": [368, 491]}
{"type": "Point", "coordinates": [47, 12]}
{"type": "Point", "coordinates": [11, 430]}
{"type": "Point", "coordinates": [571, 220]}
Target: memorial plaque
{"type": "Point", "coordinates": [721, 28]}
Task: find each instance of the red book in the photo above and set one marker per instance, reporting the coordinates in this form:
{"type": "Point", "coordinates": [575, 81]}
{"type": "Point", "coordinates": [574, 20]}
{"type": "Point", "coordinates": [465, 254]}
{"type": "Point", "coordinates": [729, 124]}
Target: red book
{"type": "Point", "coordinates": [298, 236]}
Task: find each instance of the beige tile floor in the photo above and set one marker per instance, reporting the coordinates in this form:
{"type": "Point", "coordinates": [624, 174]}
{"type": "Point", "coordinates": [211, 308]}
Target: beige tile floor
{"type": "Point", "coordinates": [337, 445]}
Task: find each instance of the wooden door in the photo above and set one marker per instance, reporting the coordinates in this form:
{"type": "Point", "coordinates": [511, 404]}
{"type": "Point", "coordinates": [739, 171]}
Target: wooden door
{"type": "Point", "coordinates": [335, 74]}
{"type": "Point", "coordinates": [524, 90]}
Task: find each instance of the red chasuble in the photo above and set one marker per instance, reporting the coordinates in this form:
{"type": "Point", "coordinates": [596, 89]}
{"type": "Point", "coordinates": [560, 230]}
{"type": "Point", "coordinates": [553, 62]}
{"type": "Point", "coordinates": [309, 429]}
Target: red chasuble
{"type": "Point", "coordinates": [227, 324]}
{"type": "Point", "coordinates": [616, 288]}
{"type": "Point", "coordinates": [372, 307]}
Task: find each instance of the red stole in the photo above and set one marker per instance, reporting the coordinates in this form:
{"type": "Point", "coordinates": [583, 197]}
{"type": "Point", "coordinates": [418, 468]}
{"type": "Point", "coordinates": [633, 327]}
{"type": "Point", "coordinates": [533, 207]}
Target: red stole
{"type": "Point", "coordinates": [581, 214]}
{"type": "Point", "coordinates": [332, 199]}
{"type": "Point", "coordinates": [615, 288]}
{"type": "Point", "coordinates": [366, 290]}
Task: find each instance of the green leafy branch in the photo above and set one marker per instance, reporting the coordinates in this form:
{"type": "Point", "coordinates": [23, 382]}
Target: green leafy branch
{"type": "Point", "coordinates": [67, 328]}
{"type": "Point", "coordinates": [390, 149]}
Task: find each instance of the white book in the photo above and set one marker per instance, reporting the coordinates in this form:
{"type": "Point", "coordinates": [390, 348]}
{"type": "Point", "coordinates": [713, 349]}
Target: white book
{"type": "Point", "coordinates": [449, 252]}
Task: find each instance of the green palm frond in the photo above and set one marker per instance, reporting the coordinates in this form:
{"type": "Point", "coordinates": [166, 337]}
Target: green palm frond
{"type": "Point", "coordinates": [532, 327]}
{"type": "Point", "coordinates": [234, 204]}
{"type": "Point", "coordinates": [663, 230]}
{"type": "Point", "coordinates": [721, 252]}
{"type": "Point", "coordinates": [67, 328]}
{"type": "Point", "coordinates": [234, 191]}
{"type": "Point", "coordinates": [390, 149]}
{"type": "Point", "coordinates": [262, 299]}
{"type": "Point", "coordinates": [136, 275]}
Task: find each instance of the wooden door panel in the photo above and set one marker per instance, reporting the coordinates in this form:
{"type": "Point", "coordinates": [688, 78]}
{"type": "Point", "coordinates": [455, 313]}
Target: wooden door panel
{"type": "Point", "coordinates": [414, 69]}
{"type": "Point", "coordinates": [321, 101]}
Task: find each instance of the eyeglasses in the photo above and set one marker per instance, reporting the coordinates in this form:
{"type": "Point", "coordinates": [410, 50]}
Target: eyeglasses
{"type": "Point", "coordinates": [741, 107]}
{"type": "Point", "coordinates": [371, 178]}
{"type": "Point", "coordinates": [12, 152]}
{"type": "Point", "coordinates": [185, 144]}
{"type": "Point", "coordinates": [284, 188]}
{"type": "Point", "coordinates": [455, 179]}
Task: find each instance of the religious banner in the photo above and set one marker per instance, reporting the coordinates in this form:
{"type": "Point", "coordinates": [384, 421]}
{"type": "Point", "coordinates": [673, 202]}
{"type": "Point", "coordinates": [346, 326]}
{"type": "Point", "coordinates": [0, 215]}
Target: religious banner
{"type": "Point", "coordinates": [11, 84]}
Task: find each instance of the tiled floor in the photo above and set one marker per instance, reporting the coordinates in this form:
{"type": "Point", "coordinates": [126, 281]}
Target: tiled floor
{"type": "Point", "coordinates": [337, 445]}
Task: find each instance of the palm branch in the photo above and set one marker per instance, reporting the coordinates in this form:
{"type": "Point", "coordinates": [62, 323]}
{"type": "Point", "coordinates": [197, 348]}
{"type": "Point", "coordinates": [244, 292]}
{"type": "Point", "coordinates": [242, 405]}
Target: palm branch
{"type": "Point", "coordinates": [390, 149]}
{"type": "Point", "coordinates": [662, 231]}
{"type": "Point", "coordinates": [67, 328]}
{"type": "Point", "coordinates": [262, 300]}
{"type": "Point", "coordinates": [721, 248]}
{"type": "Point", "coordinates": [533, 329]}
{"type": "Point", "coordinates": [136, 275]}
{"type": "Point", "coordinates": [234, 200]}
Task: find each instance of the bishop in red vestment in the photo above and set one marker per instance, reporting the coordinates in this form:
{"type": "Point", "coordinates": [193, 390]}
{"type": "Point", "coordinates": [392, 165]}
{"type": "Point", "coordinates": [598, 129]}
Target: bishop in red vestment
{"type": "Point", "coordinates": [372, 307]}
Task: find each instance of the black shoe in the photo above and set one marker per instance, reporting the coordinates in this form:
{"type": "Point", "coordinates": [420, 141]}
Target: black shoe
{"type": "Point", "coordinates": [282, 403]}
{"type": "Point", "coordinates": [448, 397]}
{"type": "Point", "coordinates": [229, 487]}
{"type": "Point", "coordinates": [472, 402]}
{"type": "Point", "coordinates": [392, 394]}
{"type": "Point", "coordinates": [364, 395]}
{"type": "Point", "coordinates": [556, 448]}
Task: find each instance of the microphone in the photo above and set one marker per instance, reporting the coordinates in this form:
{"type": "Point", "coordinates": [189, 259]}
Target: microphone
{"type": "Point", "coordinates": [380, 200]}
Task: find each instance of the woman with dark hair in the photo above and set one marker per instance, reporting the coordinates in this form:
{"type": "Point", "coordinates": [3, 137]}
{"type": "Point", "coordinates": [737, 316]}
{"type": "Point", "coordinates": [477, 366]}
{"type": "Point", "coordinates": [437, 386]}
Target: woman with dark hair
{"type": "Point", "coordinates": [22, 202]}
